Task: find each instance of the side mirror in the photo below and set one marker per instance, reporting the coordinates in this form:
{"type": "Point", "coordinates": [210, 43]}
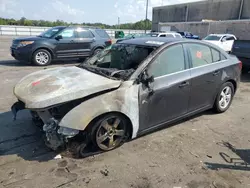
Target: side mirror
{"type": "Point", "coordinates": [145, 79]}
{"type": "Point", "coordinates": [58, 37]}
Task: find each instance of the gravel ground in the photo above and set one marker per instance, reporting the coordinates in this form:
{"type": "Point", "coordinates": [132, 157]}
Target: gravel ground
{"type": "Point", "coordinates": [205, 151]}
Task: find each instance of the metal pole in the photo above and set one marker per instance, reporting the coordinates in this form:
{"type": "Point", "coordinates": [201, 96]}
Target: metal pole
{"type": "Point", "coordinates": [146, 16]}
{"type": "Point", "coordinates": [118, 23]}
{"type": "Point", "coordinates": [186, 14]}
{"type": "Point", "coordinates": [241, 7]}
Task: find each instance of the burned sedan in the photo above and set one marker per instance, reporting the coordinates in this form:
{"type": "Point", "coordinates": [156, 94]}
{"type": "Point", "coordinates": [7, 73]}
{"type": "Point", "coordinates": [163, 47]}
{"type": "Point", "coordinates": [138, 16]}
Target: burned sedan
{"type": "Point", "coordinates": [128, 90]}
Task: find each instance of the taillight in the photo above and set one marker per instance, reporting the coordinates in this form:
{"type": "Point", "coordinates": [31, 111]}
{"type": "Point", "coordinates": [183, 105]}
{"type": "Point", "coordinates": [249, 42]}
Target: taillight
{"type": "Point", "coordinates": [109, 42]}
{"type": "Point", "coordinates": [240, 65]}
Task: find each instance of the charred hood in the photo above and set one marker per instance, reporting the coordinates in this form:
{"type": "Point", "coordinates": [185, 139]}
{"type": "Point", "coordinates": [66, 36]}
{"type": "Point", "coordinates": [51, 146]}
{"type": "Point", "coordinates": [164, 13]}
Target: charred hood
{"type": "Point", "coordinates": [53, 86]}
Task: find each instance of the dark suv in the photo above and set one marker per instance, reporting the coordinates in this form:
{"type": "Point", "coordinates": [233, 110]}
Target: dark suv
{"type": "Point", "coordinates": [60, 43]}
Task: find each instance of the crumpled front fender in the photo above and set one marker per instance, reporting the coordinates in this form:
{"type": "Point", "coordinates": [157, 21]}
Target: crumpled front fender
{"type": "Point", "coordinates": [123, 100]}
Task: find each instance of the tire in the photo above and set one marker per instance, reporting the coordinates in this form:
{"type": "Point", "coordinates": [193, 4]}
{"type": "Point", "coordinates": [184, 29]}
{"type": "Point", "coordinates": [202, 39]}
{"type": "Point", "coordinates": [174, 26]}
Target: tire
{"type": "Point", "coordinates": [109, 131]}
{"type": "Point", "coordinates": [96, 51]}
{"type": "Point", "coordinates": [81, 60]}
{"type": "Point", "coordinates": [223, 101]}
{"type": "Point", "coordinates": [36, 120]}
{"type": "Point", "coordinates": [41, 57]}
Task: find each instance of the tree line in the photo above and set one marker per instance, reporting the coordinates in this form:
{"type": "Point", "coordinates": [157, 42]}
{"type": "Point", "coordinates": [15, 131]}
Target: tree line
{"type": "Point", "coordinates": [140, 25]}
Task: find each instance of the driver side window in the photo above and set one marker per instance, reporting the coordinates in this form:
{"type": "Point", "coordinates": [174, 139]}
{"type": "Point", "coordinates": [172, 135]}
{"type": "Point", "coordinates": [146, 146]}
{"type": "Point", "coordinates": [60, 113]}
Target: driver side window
{"type": "Point", "coordinates": [171, 60]}
{"type": "Point", "coordinates": [68, 33]}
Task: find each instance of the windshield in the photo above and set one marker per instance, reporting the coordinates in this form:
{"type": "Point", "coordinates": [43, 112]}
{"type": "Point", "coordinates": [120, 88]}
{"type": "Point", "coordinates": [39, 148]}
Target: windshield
{"type": "Point", "coordinates": [212, 37]}
{"type": "Point", "coordinates": [50, 32]}
{"type": "Point", "coordinates": [119, 58]}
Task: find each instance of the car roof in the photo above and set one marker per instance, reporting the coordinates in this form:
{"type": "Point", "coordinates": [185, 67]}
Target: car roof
{"type": "Point", "coordinates": [170, 32]}
{"type": "Point", "coordinates": [151, 41]}
{"type": "Point", "coordinates": [220, 35]}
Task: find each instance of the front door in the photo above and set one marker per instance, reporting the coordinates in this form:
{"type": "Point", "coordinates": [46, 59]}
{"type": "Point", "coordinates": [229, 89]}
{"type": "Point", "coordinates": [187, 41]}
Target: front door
{"type": "Point", "coordinates": [171, 88]}
{"type": "Point", "coordinates": [205, 75]}
{"type": "Point", "coordinates": [67, 46]}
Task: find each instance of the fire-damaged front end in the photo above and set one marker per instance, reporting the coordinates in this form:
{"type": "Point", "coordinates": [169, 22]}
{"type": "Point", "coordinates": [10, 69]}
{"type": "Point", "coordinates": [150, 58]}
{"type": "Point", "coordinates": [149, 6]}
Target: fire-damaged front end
{"type": "Point", "coordinates": [67, 100]}
{"type": "Point", "coordinates": [51, 94]}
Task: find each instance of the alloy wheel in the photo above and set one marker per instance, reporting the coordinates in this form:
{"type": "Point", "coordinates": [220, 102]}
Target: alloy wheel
{"type": "Point", "coordinates": [42, 58]}
{"type": "Point", "coordinates": [225, 97]}
{"type": "Point", "coordinates": [110, 133]}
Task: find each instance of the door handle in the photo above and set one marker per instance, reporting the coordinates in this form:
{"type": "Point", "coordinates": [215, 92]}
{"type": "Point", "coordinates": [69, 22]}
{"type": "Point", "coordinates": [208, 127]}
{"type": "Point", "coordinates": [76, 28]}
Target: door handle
{"type": "Point", "coordinates": [72, 41]}
{"type": "Point", "coordinates": [216, 73]}
{"type": "Point", "coordinates": [184, 84]}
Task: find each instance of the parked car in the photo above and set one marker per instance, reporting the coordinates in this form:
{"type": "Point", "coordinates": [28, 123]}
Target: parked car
{"type": "Point", "coordinates": [136, 86]}
{"type": "Point", "coordinates": [132, 36]}
{"type": "Point", "coordinates": [189, 35]}
{"type": "Point", "coordinates": [241, 49]}
{"type": "Point", "coordinates": [60, 43]}
{"type": "Point", "coordinates": [165, 34]}
{"type": "Point", "coordinates": [119, 34]}
{"type": "Point", "coordinates": [224, 41]}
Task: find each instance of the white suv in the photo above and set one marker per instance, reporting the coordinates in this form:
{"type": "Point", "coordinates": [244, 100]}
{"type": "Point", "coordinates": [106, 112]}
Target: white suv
{"type": "Point", "coordinates": [224, 41]}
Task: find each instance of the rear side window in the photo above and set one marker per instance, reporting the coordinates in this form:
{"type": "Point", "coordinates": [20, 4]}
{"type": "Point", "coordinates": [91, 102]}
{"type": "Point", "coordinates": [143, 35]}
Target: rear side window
{"type": "Point", "coordinates": [171, 60]}
{"type": "Point", "coordinates": [169, 35]}
{"type": "Point", "coordinates": [84, 33]}
{"type": "Point", "coordinates": [102, 33]}
{"type": "Point", "coordinates": [216, 55]}
{"type": "Point", "coordinates": [200, 54]}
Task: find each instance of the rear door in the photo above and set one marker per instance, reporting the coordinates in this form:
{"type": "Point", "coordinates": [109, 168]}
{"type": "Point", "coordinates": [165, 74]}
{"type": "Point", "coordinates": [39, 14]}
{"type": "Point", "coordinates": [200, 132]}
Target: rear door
{"type": "Point", "coordinates": [85, 42]}
{"type": "Point", "coordinates": [205, 75]}
{"type": "Point", "coordinates": [171, 88]}
{"type": "Point", "coordinates": [67, 46]}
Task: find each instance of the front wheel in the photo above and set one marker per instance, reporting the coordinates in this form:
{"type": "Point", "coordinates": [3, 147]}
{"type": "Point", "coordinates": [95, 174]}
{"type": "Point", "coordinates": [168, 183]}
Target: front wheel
{"type": "Point", "coordinates": [41, 57]}
{"type": "Point", "coordinates": [224, 97]}
{"type": "Point", "coordinates": [109, 132]}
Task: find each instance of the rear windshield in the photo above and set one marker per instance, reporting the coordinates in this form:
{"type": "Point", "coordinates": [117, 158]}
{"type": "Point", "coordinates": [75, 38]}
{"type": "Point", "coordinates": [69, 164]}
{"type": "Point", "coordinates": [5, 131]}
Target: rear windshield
{"type": "Point", "coordinates": [102, 33]}
{"type": "Point", "coordinates": [212, 37]}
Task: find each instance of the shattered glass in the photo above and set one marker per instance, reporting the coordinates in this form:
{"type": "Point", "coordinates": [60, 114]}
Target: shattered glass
{"type": "Point", "coordinates": [118, 61]}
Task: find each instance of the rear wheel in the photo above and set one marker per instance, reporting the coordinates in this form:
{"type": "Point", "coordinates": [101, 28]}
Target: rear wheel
{"type": "Point", "coordinates": [224, 97]}
{"type": "Point", "coordinates": [97, 51]}
{"type": "Point", "coordinates": [41, 57]}
{"type": "Point", "coordinates": [109, 132]}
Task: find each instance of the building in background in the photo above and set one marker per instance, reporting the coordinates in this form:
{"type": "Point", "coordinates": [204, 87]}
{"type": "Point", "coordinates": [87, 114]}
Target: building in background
{"type": "Point", "coordinates": [205, 17]}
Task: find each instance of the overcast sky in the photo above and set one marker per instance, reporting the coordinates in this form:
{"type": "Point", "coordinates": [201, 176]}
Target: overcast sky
{"type": "Point", "coordinates": [105, 11]}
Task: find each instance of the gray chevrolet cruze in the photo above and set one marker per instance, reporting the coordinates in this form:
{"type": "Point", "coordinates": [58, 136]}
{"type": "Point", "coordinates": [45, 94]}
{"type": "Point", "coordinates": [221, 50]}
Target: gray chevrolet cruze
{"type": "Point", "coordinates": [127, 90]}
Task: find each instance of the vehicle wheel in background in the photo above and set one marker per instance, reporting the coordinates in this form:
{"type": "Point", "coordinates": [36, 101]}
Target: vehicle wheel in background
{"type": "Point", "coordinates": [41, 57]}
{"type": "Point", "coordinates": [110, 131]}
{"type": "Point", "coordinates": [224, 97]}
